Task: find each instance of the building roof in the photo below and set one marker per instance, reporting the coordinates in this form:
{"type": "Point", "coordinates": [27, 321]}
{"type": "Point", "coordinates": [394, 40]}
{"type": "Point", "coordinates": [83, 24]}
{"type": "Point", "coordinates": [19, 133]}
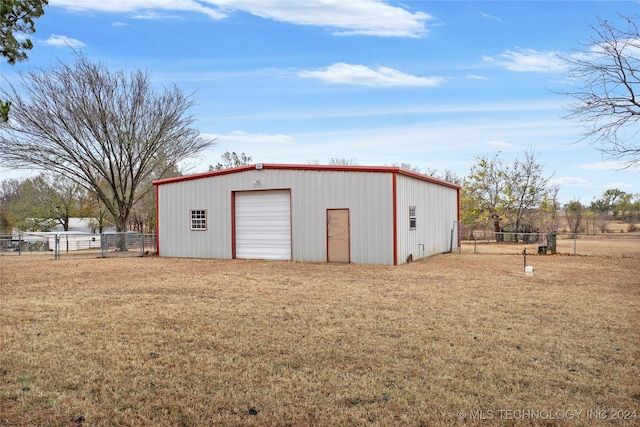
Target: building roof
{"type": "Point", "coordinates": [334, 168]}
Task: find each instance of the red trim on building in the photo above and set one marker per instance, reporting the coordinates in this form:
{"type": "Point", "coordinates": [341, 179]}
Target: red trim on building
{"type": "Point", "coordinates": [394, 198]}
{"type": "Point", "coordinates": [334, 168]}
{"type": "Point", "coordinates": [233, 225]}
{"type": "Point", "coordinates": [459, 227]}
{"type": "Point", "coordinates": [393, 170]}
{"type": "Point", "coordinates": [157, 222]}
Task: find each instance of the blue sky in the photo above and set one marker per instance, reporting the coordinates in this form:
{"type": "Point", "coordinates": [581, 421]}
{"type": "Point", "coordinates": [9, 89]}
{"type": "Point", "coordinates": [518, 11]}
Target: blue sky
{"type": "Point", "coordinates": [430, 83]}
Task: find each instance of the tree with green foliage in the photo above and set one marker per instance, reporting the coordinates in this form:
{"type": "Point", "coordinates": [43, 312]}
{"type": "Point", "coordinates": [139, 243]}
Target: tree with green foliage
{"type": "Point", "coordinates": [9, 193]}
{"type": "Point", "coordinates": [62, 199]}
{"type": "Point", "coordinates": [17, 16]}
{"type": "Point", "coordinates": [530, 190]}
{"type": "Point", "coordinates": [485, 195]}
{"type": "Point", "coordinates": [607, 206]}
{"type": "Point", "coordinates": [506, 195]}
{"type": "Point", "coordinates": [27, 211]}
{"type": "Point", "coordinates": [109, 132]}
{"type": "Point", "coordinates": [39, 203]}
{"type": "Point", "coordinates": [629, 208]}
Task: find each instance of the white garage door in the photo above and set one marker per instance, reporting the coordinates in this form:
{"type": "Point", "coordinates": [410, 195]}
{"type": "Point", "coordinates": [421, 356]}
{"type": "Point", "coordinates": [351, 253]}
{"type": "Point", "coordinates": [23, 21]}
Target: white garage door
{"type": "Point", "coordinates": [263, 224]}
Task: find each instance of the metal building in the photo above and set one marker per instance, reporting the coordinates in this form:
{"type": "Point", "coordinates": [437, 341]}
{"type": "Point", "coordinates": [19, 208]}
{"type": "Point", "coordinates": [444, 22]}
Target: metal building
{"type": "Point", "coordinates": [360, 214]}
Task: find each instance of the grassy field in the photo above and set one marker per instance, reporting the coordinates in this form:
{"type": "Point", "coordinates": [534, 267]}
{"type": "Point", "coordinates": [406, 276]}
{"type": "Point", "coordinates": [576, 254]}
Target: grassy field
{"type": "Point", "coordinates": [457, 339]}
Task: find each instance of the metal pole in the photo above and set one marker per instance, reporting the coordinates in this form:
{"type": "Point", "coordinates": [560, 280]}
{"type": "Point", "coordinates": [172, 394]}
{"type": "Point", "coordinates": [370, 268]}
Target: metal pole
{"type": "Point", "coordinates": [451, 243]}
{"type": "Point", "coordinates": [524, 253]}
{"type": "Point", "coordinates": [575, 240]}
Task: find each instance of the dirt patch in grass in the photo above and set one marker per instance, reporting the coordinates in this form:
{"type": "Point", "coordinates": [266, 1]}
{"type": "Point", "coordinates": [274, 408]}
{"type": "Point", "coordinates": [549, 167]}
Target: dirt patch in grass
{"type": "Point", "coordinates": [442, 341]}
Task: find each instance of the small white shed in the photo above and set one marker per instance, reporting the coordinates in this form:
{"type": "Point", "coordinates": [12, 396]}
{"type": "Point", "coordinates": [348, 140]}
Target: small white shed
{"type": "Point", "coordinates": [361, 214]}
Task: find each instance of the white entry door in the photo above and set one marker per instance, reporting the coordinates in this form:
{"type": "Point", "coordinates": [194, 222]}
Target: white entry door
{"type": "Point", "coordinates": [263, 224]}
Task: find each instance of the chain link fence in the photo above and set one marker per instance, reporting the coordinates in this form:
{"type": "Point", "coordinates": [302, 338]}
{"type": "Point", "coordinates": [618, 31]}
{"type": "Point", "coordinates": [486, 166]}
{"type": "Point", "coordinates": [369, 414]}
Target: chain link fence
{"type": "Point", "coordinates": [488, 242]}
{"type": "Point", "coordinates": [78, 245]}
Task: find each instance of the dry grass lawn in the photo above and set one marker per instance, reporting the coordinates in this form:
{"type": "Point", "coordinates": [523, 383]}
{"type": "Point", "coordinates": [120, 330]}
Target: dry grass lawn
{"type": "Point", "coordinates": [442, 341]}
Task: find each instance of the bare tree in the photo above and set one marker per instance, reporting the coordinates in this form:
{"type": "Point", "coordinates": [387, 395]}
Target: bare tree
{"type": "Point", "coordinates": [109, 132]}
{"type": "Point", "coordinates": [606, 103]}
{"type": "Point", "coordinates": [574, 212]}
{"type": "Point", "coordinates": [343, 161]}
{"type": "Point", "coordinates": [231, 160]}
{"type": "Point", "coordinates": [450, 176]}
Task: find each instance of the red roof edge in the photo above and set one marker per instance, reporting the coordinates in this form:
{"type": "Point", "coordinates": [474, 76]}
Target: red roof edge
{"type": "Point", "coordinates": [335, 168]}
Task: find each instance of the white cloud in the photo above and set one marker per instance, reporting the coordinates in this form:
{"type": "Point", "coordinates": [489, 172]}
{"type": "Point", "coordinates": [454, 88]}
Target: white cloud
{"type": "Point", "coordinates": [602, 166]}
{"type": "Point", "coordinates": [491, 17]}
{"type": "Point", "coordinates": [571, 181]}
{"type": "Point", "coordinates": [63, 41]}
{"type": "Point", "coordinates": [147, 6]}
{"type": "Point", "coordinates": [253, 138]}
{"type": "Point", "coordinates": [528, 60]}
{"type": "Point", "coordinates": [364, 17]}
{"type": "Point", "coordinates": [364, 76]}
{"type": "Point", "coordinates": [152, 14]}
{"type": "Point", "coordinates": [476, 77]}
{"type": "Point", "coordinates": [501, 144]}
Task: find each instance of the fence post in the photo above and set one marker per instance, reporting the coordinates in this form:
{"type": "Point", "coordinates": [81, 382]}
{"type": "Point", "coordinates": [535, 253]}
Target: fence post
{"type": "Point", "coordinates": [575, 241]}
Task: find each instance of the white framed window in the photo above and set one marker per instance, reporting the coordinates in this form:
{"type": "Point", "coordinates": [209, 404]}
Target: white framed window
{"type": "Point", "coordinates": [412, 217]}
{"type": "Point", "coordinates": [198, 219]}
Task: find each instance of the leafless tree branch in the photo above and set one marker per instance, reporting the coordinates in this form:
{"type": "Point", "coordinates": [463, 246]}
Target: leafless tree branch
{"type": "Point", "coordinates": [107, 131]}
{"type": "Point", "coordinates": [606, 103]}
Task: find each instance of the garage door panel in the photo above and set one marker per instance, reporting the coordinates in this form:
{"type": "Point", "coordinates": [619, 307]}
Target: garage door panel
{"type": "Point", "coordinates": [263, 224]}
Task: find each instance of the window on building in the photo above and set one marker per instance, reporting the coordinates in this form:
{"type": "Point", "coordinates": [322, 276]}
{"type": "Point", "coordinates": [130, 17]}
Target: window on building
{"type": "Point", "coordinates": [412, 217]}
{"type": "Point", "coordinates": [198, 219]}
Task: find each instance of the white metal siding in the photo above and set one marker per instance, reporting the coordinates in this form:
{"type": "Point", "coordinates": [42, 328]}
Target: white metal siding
{"type": "Point", "coordinates": [367, 194]}
{"type": "Point", "coordinates": [176, 200]}
{"type": "Point", "coordinates": [263, 225]}
{"type": "Point", "coordinates": [436, 211]}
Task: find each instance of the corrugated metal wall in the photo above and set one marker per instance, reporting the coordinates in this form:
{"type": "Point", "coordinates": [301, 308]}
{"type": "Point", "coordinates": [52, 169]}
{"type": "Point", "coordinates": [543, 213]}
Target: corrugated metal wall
{"type": "Point", "coordinates": [368, 196]}
{"type": "Point", "coordinates": [436, 210]}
